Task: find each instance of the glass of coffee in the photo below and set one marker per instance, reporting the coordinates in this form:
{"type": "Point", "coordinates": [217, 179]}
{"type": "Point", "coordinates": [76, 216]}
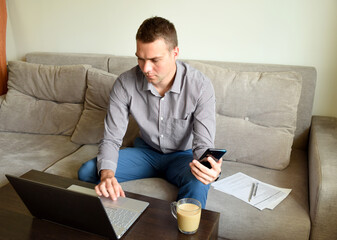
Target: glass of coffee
{"type": "Point", "coordinates": [187, 211]}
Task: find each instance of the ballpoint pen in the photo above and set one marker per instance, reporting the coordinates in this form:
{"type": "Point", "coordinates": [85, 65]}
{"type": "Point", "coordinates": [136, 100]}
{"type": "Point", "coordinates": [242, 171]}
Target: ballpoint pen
{"type": "Point", "coordinates": [251, 192]}
{"type": "Point", "coordinates": [255, 190]}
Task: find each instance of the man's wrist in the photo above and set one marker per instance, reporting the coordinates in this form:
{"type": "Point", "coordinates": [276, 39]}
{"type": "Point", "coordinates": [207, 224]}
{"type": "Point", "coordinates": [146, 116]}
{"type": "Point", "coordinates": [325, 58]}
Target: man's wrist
{"type": "Point", "coordinates": [106, 173]}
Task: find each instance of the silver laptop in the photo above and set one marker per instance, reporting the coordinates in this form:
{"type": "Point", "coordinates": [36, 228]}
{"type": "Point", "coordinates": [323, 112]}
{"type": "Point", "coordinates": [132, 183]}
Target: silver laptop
{"type": "Point", "coordinates": [79, 207]}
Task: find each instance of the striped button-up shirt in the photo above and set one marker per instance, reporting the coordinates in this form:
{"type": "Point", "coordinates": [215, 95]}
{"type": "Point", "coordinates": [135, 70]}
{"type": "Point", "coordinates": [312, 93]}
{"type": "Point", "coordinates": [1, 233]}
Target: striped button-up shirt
{"type": "Point", "coordinates": [184, 118]}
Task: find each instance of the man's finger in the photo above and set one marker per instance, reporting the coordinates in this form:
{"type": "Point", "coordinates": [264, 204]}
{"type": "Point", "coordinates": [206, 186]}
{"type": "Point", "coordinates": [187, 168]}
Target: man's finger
{"type": "Point", "coordinates": [212, 161]}
{"type": "Point", "coordinates": [197, 176]}
{"type": "Point", "coordinates": [216, 165]}
{"type": "Point", "coordinates": [99, 193]}
{"type": "Point", "coordinates": [204, 174]}
{"type": "Point", "coordinates": [121, 191]}
{"type": "Point", "coordinates": [110, 189]}
{"type": "Point", "coordinates": [104, 190]}
{"type": "Point", "coordinates": [116, 189]}
{"type": "Point", "coordinates": [200, 175]}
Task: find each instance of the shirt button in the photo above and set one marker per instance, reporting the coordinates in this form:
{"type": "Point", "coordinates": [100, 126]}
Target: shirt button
{"type": "Point", "coordinates": [161, 118]}
{"type": "Point", "coordinates": [161, 135]}
{"type": "Point", "coordinates": [162, 99]}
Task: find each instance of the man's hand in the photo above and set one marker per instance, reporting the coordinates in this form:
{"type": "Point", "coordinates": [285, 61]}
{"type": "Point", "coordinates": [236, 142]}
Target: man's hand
{"type": "Point", "coordinates": [204, 174]}
{"type": "Point", "coordinates": [109, 186]}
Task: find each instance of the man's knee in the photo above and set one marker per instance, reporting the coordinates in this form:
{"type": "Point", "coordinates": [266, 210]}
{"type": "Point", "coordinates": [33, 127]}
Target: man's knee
{"type": "Point", "coordinates": [198, 186]}
{"type": "Point", "coordinates": [88, 171]}
{"type": "Point", "coordinates": [193, 188]}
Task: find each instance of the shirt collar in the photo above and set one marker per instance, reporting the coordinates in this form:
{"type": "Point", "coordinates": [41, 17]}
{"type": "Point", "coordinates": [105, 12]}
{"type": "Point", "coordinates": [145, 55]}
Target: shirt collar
{"type": "Point", "coordinates": [176, 87]}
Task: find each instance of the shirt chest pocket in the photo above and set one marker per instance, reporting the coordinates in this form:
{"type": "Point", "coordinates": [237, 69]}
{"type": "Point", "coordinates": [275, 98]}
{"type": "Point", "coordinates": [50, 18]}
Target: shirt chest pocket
{"type": "Point", "coordinates": [178, 129]}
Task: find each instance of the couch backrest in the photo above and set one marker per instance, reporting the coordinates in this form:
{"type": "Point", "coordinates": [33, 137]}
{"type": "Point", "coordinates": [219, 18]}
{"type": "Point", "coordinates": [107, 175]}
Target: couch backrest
{"type": "Point", "coordinates": [43, 99]}
{"type": "Point", "coordinates": [99, 61]}
{"type": "Point", "coordinates": [119, 64]}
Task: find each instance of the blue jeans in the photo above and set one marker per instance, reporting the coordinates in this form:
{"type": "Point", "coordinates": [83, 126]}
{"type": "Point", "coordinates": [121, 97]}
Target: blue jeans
{"type": "Point", "coordinates": [142, 161]}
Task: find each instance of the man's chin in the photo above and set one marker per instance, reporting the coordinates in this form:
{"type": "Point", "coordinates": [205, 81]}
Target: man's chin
{"type": "Point", "coordinates": [151, 80]}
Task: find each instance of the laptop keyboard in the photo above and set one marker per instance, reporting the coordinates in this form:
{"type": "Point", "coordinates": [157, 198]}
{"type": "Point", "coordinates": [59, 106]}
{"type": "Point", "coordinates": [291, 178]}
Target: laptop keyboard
{"type": "Point", "coordinates": [120, 217]}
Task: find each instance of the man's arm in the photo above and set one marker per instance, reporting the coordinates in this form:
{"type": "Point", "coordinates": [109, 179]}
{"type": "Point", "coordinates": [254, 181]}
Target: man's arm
{"type": "Point", "coordinates": [204, 135]}
{"type": "Point", "coordinates": [115, 126]}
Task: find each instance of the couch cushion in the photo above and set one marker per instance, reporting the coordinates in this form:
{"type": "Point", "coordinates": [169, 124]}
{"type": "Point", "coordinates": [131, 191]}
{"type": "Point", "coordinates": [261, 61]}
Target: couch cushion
{"type": "Point", "coordinates": [256, 114]}
{"type": "Point", "coordinates": [289, 220]}
{"type": "Point", "coordinates": [43, 99]}
{"type": "Point", "coordinates": [95, 60]}
{"type": "Point", "coordinates": [90, 127]}
{"type": "Point", "coordinates": [120, 64]}
{"type": "Point", "coordinates": [69, 166]}
{"type": "Point", "coordinates": [304, 111]}
{"type": "Point", "coordinates": [21, 152]}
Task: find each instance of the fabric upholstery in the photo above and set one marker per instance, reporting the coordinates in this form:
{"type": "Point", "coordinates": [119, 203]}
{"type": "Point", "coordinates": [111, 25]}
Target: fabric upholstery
{"type": "Point", "coordinates": [90, 127]}
{"type": "Point", "coordinates": [49, 99]}
{"type": "Point", "coordinates": [256, 114]}
{"type": "Point", "coordinates": [74, 161]}
{"type": "Point", "coordinates": [305, 105]}
{"type": "Point", "coordinates": [242, 221]}
{"type": "Point", "coordinates": [118, 64]}
{"type": "Point", "coordinates": [99, 61]}
{"type": "Point", "coordinates": [21, 152]}
{"type": "Point", "coordinates": [323, 184]}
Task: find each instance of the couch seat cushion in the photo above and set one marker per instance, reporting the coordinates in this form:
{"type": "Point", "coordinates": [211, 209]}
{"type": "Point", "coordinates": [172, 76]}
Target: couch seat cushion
{"type": "Point", "coordinates": [239, 220]}
{"type": "Point", "coordinates": [69, 166]}
{"type": "Point", "coordinates": [22, 152]}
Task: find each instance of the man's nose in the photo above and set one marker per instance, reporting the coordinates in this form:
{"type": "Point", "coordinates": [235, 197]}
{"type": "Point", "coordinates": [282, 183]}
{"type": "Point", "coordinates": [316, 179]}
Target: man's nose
{"type": "Point", "coordinates": [147, 67]}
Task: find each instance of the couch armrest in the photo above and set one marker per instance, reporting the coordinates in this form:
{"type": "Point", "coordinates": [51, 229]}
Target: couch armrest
{"type": "Point", "coordinates": [323, 177]}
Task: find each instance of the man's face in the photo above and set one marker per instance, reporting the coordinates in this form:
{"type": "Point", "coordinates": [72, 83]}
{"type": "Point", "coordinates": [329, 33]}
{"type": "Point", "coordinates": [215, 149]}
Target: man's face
{"type": "Point", "coordinates": [156, 61]}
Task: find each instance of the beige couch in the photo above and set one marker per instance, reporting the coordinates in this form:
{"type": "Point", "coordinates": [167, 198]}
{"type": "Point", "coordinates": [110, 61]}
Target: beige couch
{"type": "Point", "coordinates": [51, 120]}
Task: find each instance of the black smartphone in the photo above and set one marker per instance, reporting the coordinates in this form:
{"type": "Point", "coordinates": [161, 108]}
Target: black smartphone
{"type": "Point", "coordinates": [215, 153]}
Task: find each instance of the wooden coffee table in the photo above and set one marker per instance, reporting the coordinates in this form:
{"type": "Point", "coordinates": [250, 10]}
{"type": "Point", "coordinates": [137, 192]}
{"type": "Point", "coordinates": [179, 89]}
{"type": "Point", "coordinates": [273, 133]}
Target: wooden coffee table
{"type": "Point", "coordinates": [16, 222]}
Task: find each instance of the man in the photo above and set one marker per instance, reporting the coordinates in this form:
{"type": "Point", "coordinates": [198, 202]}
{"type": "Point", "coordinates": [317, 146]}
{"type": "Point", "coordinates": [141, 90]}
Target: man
{"type": "Point", "coordinates": [174, 106]}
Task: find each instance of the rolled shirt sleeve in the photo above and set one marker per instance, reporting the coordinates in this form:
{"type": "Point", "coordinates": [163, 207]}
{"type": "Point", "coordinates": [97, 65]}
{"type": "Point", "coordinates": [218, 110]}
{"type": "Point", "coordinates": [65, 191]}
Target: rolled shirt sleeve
{"type": "Point", "coordinates": [115, 125]}
{"type": "Point", "coordinates": [204, 121]}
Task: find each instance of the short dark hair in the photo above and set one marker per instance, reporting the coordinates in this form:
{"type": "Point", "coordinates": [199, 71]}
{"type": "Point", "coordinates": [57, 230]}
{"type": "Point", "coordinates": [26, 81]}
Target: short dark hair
{"type": "Point", "coordinates": [156, 27]}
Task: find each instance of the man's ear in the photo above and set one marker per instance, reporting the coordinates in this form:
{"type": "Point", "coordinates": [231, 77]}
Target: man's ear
{"type": "Point", "coordinates": [175, 52]}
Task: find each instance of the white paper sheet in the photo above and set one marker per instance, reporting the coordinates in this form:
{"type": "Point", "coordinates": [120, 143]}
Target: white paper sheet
{"type": "Point", "coordinates": [240, 186]}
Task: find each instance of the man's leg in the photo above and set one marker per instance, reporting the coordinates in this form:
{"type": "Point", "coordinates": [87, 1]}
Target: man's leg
{"type": "Point", "coordinates": [136, 163]}
{"type": "Point", "coordinates": [178, 172]}
{"type": "Point", "coordinates": [88, 172]}
{"type": "Point", "coordinates": [133, 163]}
